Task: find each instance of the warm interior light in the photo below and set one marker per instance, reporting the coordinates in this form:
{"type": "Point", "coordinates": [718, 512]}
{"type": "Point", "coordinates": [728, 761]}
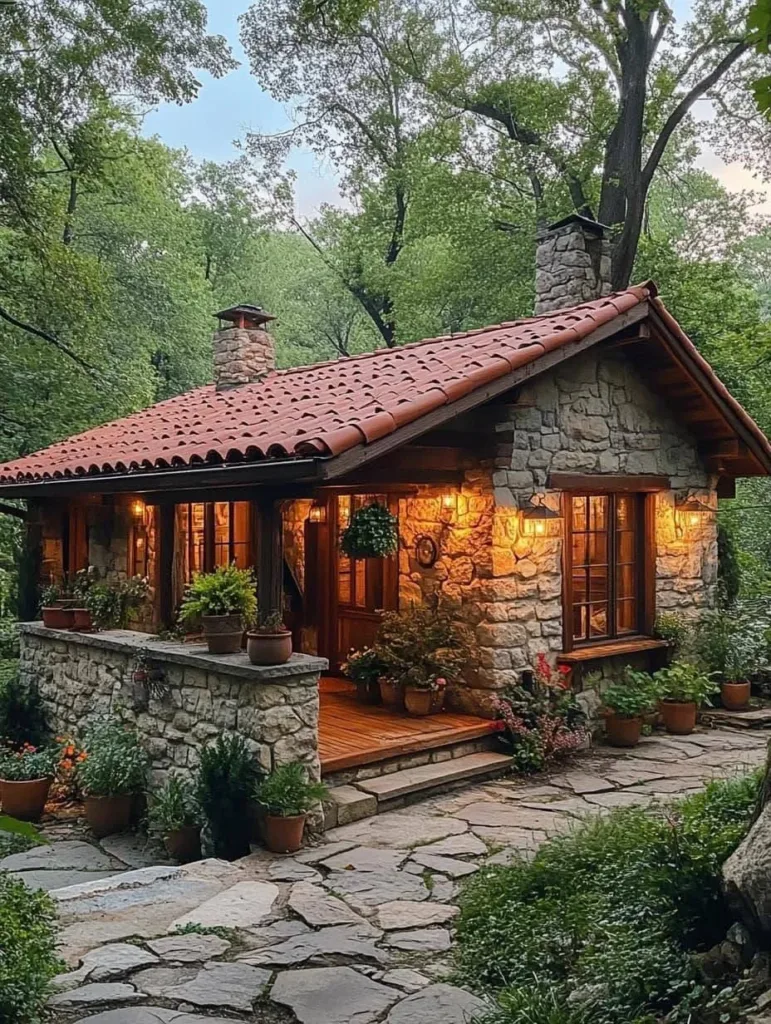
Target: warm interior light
{"type": "Point", "coordinates": [690, 513]}
{"type": "Point", "coordinates": [318, 513]}
{"type": "Point", "coordinates": [538, 519]}
{"type": "Point", "coordinates": [448, 501]}
{"type": "Point", "coordinates": [138, 510]}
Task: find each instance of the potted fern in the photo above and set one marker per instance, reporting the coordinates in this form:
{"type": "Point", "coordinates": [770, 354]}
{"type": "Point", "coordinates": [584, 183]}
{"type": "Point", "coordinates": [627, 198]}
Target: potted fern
{"type": "Point", "coordinates": [286, 796]}
{"type": "Point", "coordinates": [224, 603]}
{"type": "Point", "coordinates": [684, 688]}
{"type": "Point", "coordinates": [372, 533]}
{"type": "Point", "coordinates": [175, 817]}
{"type": "Point", "coordinates": [270, 643]}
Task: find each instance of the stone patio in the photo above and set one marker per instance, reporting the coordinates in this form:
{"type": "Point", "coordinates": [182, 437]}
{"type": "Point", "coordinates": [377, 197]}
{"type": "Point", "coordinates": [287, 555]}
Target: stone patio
{"type": "Point", "coordinates": [356, 930]}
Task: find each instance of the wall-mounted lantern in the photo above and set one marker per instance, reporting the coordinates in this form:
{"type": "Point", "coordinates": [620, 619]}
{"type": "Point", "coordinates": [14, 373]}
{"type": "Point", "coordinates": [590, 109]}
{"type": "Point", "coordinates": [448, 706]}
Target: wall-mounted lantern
{"type": "Point", "coordinates": [449, 505]}
{"type": "Point", "coordinates": [138, 510]}
{"type": "Point", "coordinates": [538, 520]}
{"type": "Point", "coordinates": [690, 513]}
{"type": "Point", "coordinates": [318, 512]}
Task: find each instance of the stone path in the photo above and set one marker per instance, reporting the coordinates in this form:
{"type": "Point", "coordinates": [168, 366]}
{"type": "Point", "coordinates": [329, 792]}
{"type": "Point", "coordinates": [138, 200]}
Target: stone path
{"type": "Point", "coordinates": [357, 930]}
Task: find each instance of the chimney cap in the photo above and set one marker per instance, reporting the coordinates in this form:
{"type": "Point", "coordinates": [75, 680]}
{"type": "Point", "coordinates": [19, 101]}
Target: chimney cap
{"type": "Point", "coordinates": [577, 218]}
{"type": "Point", "coordinates": [245, 312]}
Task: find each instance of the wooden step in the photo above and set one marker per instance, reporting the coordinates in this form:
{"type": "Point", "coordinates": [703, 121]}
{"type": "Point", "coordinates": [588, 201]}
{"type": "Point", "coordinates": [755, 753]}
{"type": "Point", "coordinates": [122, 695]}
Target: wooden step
{"type": "Point", "coordinates": [434, 776]}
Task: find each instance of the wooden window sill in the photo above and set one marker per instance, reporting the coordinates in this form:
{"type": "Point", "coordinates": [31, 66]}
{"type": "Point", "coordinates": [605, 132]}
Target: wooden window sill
{"type": "Point", "coordinates": [612, 649]}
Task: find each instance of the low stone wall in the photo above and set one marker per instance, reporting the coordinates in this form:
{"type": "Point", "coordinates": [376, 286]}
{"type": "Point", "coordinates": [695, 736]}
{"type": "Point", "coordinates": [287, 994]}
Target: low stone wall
{"type": "Point", "coordinates": [190, 698]}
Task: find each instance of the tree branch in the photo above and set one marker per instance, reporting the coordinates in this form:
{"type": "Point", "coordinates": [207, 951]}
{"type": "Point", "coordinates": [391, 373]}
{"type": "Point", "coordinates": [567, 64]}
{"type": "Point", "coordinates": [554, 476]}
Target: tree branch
{"type": "Point", "coordinates": [50, 338]}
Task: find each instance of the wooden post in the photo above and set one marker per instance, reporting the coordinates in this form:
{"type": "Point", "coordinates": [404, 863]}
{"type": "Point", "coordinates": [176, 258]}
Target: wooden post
{"type": "Point", "coordinates": [165, 561]}
{"type": "Point", "coordinates": [270, 558]}
{"type": "Point", "coordinates": [29, 564]}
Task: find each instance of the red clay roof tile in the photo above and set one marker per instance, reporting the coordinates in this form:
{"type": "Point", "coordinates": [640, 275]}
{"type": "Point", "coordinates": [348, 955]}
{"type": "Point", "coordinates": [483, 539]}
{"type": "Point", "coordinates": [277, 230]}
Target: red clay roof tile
{"type": "Point", "coordinates": [327, 408]}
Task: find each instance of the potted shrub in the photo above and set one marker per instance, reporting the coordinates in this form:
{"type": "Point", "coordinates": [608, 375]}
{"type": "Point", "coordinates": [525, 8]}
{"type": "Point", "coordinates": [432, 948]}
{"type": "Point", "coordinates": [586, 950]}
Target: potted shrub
{"type": "Point", "coordinates": [675, 630]}
{"type": "Point", "coordinates": [731, 644]}
{"type": "Point", "coordinates": [112, 602]}
{"type": "Point", "coordinates": [373, 532]}
{"type": "Point", "coordinates": [270, 643]}
{"type": "Point", "coordinates": [56, 614]}
{"type": "Point", "coordinates": [365, 668]}
{"type": "Point", "coordinates": [286, 796]}
{"type": "Point", "coordinates": [224, 603]}
{"type": "Point", "coordinates": [84, 580]}
{"type": "Point", "coordinates": [111, 772]}
{"type": "Point", "coordinates": [175, 817]}
{"type": "Point", "coordinates": [626, 704]}
{"type": "Point", "coordinates": [424, 696]}
{"type": "Point", "coordinates": [684, 687]}
{"type": "Point", "coordinates": [25, 779]}
{"type": "Point", "coordinates": [225, 788]}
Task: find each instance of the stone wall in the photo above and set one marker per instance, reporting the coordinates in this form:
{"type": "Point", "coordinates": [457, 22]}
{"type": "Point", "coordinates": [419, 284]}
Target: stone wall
{"type": "Point", "coordinates": [242, 356]}
{"type": "Point", "coordinates": [572, 265]}
{"type": "Point", "coordinates": [193, 696]}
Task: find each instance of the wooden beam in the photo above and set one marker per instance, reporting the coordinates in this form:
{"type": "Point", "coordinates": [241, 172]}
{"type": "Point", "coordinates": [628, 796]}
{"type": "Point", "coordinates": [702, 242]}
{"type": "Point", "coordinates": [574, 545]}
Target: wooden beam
{"type": "Point", "coordinates": [724, 448]}
{"type": "Point", "coordinates": [598, 483]}
{"type": "Point", "coordinates": [165, 579]}
{"type": "Point", "coordinates": [29, 564]}
{"type": "Point", "coordinates": [726, 487]}
{"type": "Point", "coordinates": [270, 558]}
{"type": "Point", "coordinates": [12, 510]}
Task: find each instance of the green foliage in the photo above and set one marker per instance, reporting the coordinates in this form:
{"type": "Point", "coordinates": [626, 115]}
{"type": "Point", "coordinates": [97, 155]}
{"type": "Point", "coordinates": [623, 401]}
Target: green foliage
{"type": "Point", "coordinates": [612, 909]}
{"type": "Point", "coordinates": [225, 786]}
{"type": "Point", "coordinates": [226, 591]}
{"type": "Point", "coordinates": [23, 717]}
{"type": "Point", "coordinates": [373, 532]}
{"type": "Point", "coordinates": [420, 645]}
{"type": "Point", "coordinates": [115, 763]}
{"type": "Point", "coordinates": [728, 569]}
{"type": "Point", "coordinates": [172, 807]}
{"type": "Point", "coordinates": [635, 695]}
{"type": "Point", "coordinates": [674, 629]}
{"type": "Point", "coordinates": [287, 791]}
{"type": "Point", "coordinates": [686, 683]}
{"type": "Point", "coordinates": [113, 602]}
{"type": "Point", "coordinates": [28, 944]}
{"type": "Point", "coordinates": [16, 836]}
{"type": "Point", "coordinates": [365, 666]}
{"type": "Point", "coordinates": [28, 763]}
{"type": "Point", "coordinates": [732, 643]}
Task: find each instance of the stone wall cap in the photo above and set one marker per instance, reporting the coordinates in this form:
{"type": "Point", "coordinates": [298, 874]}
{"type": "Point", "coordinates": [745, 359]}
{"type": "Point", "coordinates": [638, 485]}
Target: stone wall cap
{"type": "Point", "coordinates": [585, 222]}
{"type": "Point", "coordinates": [129, 641]}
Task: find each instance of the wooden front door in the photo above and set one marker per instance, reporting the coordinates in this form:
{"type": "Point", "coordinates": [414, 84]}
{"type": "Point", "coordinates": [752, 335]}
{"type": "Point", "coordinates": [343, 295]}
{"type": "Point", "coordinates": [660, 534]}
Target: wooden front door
{"type": "Point", "coordinates": [352, 593]}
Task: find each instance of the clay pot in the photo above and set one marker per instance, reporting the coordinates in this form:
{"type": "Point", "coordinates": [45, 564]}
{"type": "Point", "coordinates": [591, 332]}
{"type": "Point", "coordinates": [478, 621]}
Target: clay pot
{"type": "Point", "coordinates": [81, 620]}
{"type": "Point", "coordinates": [391, 693]}
{"type": "Point", "coordinates": [269, 648]}
{"type": "Point", "coordinates": [184, 844]}
{"type": "Point", "coordinates": [437, 700]}
{"type": "Point", "coordinates": [26, 799]}
{"type": "Point", "coordinates": [284, 835]}
{"type": "Point", "coordinates": [623, 730]}
{"type": "Point", "coordinates": [678, 718]}
{"type": "Point", "coordinates": [418, 702]}
{"type": "Point", "coordinates": [368, 693]}
{"type": "Point", "coordinates": [223, 633]}
{"type": "Point", "coordinates": [57, 617]}
{"type": "Point", "coordinates": [735, 696]}
{"type": "Point", "coordinates": [108, 814]}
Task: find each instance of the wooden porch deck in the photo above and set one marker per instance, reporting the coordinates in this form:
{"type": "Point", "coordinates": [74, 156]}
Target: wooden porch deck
{"type": "Point", "coordinates": [353, 734]}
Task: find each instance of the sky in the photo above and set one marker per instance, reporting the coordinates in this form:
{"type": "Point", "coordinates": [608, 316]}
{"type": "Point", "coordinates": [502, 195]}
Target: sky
{"type": "Point", "coordinates": [227, 108]}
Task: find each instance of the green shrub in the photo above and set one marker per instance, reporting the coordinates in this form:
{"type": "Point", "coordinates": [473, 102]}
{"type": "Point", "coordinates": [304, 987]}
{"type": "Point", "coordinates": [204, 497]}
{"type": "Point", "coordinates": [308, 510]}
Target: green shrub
{"type": "Point", "coordinates": [114, 762]}
{"type": "Point", "coordinates": [685, 683]}
{"type": "Point", "coordinates": [225, 788]}
{"type": "Point", "coordinates": [172, 807]}
{"type": "Point", "coordinates": [610, 911]}
{"type": "Point", "coordinates": [9, 639]}
{"type": "Point", "coordinates": [113, 602]}
{"type": "Point", "coordinates": [16, 836]}
{"type": "Point", "coordinates": [287, 792]}
{"type": "Point", "coordinates": [22, 713]}
{"type": "Point", "coordinates": [635, 695]}
{"type": "Point", "coordinates": [226, 591]}
{"type": "Point", "coordinates": [28, 958]}
{"type": "Point", "coordinates": [372, 533]}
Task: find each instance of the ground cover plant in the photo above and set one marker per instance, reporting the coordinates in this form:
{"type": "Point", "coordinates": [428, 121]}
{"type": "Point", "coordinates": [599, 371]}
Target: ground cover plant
{"type": "Point", "coordinates": [602, 925]}
{"type": "Point", "coordinates": [28, 947]}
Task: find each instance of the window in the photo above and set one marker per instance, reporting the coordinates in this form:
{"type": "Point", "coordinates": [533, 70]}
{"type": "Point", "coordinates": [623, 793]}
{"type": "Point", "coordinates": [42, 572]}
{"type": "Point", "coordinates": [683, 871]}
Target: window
{"type": "Point", "coordinates": [212, 534]}
{"type": "Point", "coordinates": [605, 567]}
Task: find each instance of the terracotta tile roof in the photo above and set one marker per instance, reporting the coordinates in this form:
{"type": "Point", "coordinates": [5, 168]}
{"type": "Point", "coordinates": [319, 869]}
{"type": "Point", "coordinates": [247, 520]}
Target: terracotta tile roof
{"type": "Point", "coordinates": [320, 410]}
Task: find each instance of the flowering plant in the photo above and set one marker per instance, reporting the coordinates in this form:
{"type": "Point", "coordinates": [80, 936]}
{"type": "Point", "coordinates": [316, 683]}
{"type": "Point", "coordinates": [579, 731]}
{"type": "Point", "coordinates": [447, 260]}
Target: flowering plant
{"type": "Point", "coordinates": [66, 782]}
{"type": "Point", "coordinates": [112, 603]}
{"type": "Point", "coordinates": [114, 763]}
{"type": "Point", "coordinates": [27, 763]}
{"type": "Point", "coordinates": [541, 724]}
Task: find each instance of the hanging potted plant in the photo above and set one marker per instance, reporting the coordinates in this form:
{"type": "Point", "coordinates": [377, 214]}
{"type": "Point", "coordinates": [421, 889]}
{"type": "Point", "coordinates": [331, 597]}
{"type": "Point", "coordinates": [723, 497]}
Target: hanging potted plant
{"type": "Point", "coordinates": [224, 604]}
{"type": "Point", "coordinates": [112, 771]}
{"type": "Point", "coordinates": [225, 785]}
{"type": "Point", "coordinates": [684, 688]}
{"type": "Point", "coordinates": [373, 532]}
{"type": "Point", "coordinates": [175, 817]}
{"type": "Point", "coordinates": [626, 704]}
{"type": "Point", "coordinates": [365, 668]}
{"type": "Point", "coordinates": [270, 643]}
{"type": "Point", "coordinates": [25, 779]}
{"type": "Point", "coordinates": [55, 607]}
{"type": "Point", "coordinates": [286, 796]}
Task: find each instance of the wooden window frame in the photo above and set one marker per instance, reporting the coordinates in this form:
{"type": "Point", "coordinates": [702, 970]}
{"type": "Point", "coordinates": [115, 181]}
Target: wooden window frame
{"type": "Point", "coordinates": [208, 561]}
{"type": "Point", "coordinates": [646, 564]}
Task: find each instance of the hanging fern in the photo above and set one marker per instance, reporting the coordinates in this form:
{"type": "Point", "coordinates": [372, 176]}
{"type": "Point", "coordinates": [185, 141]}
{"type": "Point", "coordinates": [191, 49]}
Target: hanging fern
{"type": "Point", "coordinates": [372, 533]}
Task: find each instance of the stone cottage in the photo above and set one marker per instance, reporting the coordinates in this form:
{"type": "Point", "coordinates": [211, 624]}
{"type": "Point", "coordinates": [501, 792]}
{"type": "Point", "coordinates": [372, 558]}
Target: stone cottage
{"type": "Point", "coordinates": [555, 481]}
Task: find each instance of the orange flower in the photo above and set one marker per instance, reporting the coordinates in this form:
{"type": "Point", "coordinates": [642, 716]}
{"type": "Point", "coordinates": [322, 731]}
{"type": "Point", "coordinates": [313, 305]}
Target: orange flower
{"type": "Point", "coordinates": [82, 756]}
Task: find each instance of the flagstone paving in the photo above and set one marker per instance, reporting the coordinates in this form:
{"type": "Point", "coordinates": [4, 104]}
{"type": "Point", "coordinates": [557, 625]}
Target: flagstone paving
{"type": "Point", "coordinates": [355, 930]}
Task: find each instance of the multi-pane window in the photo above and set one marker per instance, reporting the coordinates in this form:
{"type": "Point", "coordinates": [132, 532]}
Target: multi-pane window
{"type": "Point", "coordinates": [606, 566]}
{"type": "Point", "coordinates": [212, 534]}
{"type": "Point", "coordinates": [360, 581]}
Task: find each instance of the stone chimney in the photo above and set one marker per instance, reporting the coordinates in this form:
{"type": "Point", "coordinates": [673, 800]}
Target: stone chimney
{"type": "Point", "coordinates": [572, 264]}
{"type": "Point", "coordinates": [243, 348]}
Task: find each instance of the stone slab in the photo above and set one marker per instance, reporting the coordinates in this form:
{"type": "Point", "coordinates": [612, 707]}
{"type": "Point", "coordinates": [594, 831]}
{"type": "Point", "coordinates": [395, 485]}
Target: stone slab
{"type": "Point", "coordinates": [332, 995]}
{"type": "Point", "coordinates": [316, 854]}
{"type": "Point", "coordinates": [127, 881]}
{"type": "Point", "coordinates": [94, 995]}
{"type": "Point", "coordinates": [354, 941]}
{"type": "Point", "coordinates": [288, 869]}
{"type": "Point", "coordinates": [234, 986]}
{"type": "Point", "coordinates": [466, 845]}
{"type": "Point", "coordinates": [508, 816]}
{"type": "Point", "coordinates": [583, 782]}
{"type": "Point", "coordinates": [421, 940]}
{"type": "Point", "coordinates": [151, 1015]}
{"type": "Point", "coordinates": [398, 830]}
{"type": "Point", "coordinates": [49, 880]}
{"type": "Point", "coordinates": [400, 915]}
{"type": "Point", "coordinates": [319, 908]}
{"type": "Point", "coordinates": [241, 906]}
{"type": "Point", "coordinates": [445, 865]}
{"type": "Point", "coordinates": [69, 855]}
{"type": "Point", "coordinates": [428, 776]}
{"type": "Point", "coordinates": [352, 804]}
{"type": "Point", "coordinates": [134, 850]}
{"type": "Point", "coordinates": [371, 888]}
{"type": "Point", "coordinates": [189, 948]}
{"type": "Point", "coordinates": [405, 979]}
{"type": "Point", "coordinates": [106, 963]}
{"type": "Point", "coordinates": [365, 858]}
{"type": "Point", "coordinates": [438, 1004]}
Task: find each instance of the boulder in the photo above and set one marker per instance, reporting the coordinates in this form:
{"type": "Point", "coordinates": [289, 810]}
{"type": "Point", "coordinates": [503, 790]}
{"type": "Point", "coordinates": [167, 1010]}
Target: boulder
{"type": "Point", "coordinates": [747, 877]}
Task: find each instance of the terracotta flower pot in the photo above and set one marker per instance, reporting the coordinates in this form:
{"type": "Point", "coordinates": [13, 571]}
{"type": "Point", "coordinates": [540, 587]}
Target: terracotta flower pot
{"type": "Point", "coordinates": [679, 718]}
{"type": "Point", "coordinates": [284, 835]}
{"type": "Point", "coordinates": [368, 693]}
{"type": "Point", "coordinates": [57, 617]}
{"type": "Point", "coordinates": [735, 696]}
{"type": "Point", "coordinates": [437, 700]}
{"type": "Point", "coordinates": [81, 620]}
{"type": "Point", "coordinates": [108, 814]}
{"type": "Point", "coordinates": [269, 648]}
{"type": "Point", "coordinates": [26, 799]}
{"type": "Point", "coordinates": [417, 702]}
{"type": "Point", "coordinates": [391, 693]}
{"type": "Point", "coordinates": [223, 633]}
{"type": "Point", "coordinates": [184, 844]}
{"type": "Point", "coordinates": [623, 730]}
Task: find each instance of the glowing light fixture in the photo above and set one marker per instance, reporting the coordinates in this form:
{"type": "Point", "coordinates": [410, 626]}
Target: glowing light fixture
{"type": "Point", "coordinates": [318, 513]}
{"type": "Point", "coordinates": [138, 508]}
{"type": "Point", "coordinates": [538, 520]}
{"type": "Point", "coordinates": [690, 512]}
